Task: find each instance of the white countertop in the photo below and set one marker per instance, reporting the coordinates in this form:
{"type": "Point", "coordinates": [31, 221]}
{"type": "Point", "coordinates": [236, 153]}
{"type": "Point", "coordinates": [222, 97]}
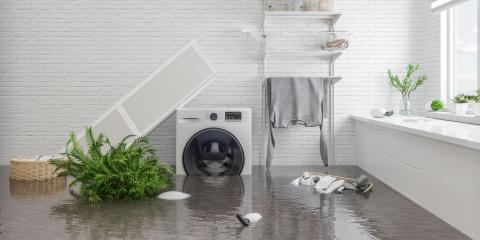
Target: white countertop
{"type": "Point", "coordinates": [463, 134]}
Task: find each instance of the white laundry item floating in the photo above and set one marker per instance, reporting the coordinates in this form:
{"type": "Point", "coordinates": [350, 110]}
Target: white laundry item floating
{"type": "Point", "coordinates": [296, 181]}
{"type": "Point", "coordinates": [173, 195]}
{"type": "Point", "coordinates": [361, 184]}
{"type": "Point", "coordinates": [309, 181]}
{"type": "Point", "coordinates": [324, 183]}
{"type": "Point", "coordinates": [335, 186]}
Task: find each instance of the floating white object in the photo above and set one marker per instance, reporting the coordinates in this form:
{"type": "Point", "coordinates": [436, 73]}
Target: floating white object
{"type": "Point", "coordinates": [324, 183]}
{"type": "Point", "coordinates": [335, 186]}
{"type": "Point", "coordinates": [253, 217]}
{"type": "Point", "coordinates": [173, 195]}
{"type": "Point", "coordinates": [171, 86]}
{"type": "Point", "coordinates": [296, 181]}
{"type": "Point", "coordinates": [309, 181]}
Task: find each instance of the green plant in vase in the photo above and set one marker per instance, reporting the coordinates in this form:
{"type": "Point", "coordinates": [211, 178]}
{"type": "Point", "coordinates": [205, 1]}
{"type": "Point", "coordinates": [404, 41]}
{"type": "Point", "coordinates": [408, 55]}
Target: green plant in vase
{"type": "Point", "coordinates": [406, 86]}
{"type": "Point", "coordinates": [126, 171]}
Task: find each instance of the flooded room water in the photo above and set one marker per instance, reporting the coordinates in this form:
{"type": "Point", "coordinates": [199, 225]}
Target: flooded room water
{"type": "Point", "coordinates": [47, 211]}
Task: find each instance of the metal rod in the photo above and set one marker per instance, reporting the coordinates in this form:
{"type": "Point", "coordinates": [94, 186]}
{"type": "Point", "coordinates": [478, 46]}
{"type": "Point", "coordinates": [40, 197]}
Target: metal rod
{"type": "Point", "coordinates": [331, 124]}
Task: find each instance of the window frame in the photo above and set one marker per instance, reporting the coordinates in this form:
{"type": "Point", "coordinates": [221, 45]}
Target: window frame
{"type": "Point", "coordinates": [448, 55]}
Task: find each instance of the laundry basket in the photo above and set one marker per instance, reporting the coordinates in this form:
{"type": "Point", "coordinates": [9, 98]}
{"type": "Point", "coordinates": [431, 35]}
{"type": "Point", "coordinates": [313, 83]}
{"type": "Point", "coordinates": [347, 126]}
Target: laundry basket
{"type": "Point", "coordinates": [38, 188]}
{"type": "Point", "coordinates": [31, 169]}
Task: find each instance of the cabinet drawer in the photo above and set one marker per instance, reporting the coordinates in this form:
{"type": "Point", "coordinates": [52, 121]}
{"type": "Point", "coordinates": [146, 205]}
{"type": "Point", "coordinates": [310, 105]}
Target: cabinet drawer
{"type": "Point", "coordinates": [401, 177]}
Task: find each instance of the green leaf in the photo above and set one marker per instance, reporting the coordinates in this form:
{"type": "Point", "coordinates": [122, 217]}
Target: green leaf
{"type": "Point", "coordinates": [407, 85]}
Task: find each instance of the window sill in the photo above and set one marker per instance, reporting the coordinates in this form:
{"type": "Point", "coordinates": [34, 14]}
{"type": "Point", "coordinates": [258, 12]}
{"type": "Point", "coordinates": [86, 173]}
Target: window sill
{"type": "Point", "coordinates": [463, 134]}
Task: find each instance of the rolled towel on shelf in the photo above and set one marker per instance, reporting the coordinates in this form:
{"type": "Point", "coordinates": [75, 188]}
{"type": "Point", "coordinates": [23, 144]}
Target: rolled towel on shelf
{"type": "Point", "coordinates": [339, 44]}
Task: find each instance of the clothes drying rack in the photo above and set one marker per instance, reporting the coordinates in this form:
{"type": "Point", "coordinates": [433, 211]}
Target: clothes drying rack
{"type": "Point", "coordinates": [327, 56]}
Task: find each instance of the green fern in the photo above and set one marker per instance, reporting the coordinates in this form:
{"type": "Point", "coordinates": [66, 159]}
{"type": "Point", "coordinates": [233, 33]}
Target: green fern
{"type": "Point", "coordinates": [407, 85]}
{"type": "Point", "coordinates": [128, 170]}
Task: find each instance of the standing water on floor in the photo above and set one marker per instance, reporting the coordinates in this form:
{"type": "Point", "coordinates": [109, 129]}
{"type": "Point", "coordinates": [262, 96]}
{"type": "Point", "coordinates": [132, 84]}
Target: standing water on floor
{"type": "Point", "coordinates": [288, 212]}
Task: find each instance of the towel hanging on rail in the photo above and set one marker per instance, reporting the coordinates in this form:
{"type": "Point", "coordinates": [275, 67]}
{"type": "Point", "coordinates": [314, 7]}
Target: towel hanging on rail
{"type": "Point", "coordinates": [297, 100]}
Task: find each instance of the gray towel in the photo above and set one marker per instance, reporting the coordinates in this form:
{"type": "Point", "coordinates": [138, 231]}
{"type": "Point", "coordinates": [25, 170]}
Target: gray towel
{"type": "Point", "coordinates": [296, 100]}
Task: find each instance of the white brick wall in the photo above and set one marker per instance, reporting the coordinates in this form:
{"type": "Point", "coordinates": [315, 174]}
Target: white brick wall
{"type": "Point", "coordinates": [63, 63]}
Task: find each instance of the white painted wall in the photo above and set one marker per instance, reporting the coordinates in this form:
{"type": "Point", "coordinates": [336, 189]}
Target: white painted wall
{"type": "Point", "coordinates": [63, 63]}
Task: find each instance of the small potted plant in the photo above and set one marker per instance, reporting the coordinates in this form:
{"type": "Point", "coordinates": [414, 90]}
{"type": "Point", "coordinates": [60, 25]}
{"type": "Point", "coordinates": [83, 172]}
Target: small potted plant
{"type": "Point", "coordinates": [435, 105]}
{"type": "Point", "coordinates": [476, 104]}
{"type": "Point", "coordinates": [460, 105]}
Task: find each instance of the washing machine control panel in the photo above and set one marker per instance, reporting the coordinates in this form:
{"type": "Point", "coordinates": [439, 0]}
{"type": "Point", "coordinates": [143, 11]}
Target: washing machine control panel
{"type": "Point", "coordinates": [233, 116]}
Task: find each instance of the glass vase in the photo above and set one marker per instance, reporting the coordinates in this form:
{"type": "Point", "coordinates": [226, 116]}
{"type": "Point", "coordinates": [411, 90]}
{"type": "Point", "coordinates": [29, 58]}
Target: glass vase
{"type": "Point", "coordinates": [405, 106]}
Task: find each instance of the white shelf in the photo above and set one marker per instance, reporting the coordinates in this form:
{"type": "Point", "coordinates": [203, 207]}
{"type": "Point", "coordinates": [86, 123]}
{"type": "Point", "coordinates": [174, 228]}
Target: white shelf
{"type": "Point", "coordinates": [332, 79]}
{"type": "Point", "coordinates": [323, 54]}
{"type": "Point", "coordinates": [321, 34]}
{"type": "Point", "coordinates": [333, 16]}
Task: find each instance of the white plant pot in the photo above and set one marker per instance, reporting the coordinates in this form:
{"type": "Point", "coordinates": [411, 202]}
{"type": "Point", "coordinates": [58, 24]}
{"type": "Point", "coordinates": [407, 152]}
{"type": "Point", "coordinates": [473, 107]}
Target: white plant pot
{"type": "Point", "coordinates": [460, 108]}
{"type": "Point", "coordinates": [476, 108]}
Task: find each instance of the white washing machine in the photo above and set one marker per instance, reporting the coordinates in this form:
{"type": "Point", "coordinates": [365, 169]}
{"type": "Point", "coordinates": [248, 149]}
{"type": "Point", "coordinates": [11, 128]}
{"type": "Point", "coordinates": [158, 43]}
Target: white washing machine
{"type": "Point", "coordinates": [214, 141]}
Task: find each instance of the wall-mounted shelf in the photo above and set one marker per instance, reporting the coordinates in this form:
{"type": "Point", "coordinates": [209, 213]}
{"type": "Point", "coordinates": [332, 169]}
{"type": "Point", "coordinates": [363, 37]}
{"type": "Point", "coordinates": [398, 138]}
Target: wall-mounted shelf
{"type": "Point", "coordinates": [317, 38]}
{"type": "Point", "coordinates": [333, 16]}
{"type": "Point", "coordinates": [331, 79]}
{"type": "Point", "coordinates": [323, 54]}
{"type": "Point", "coordinates": [330, 36]}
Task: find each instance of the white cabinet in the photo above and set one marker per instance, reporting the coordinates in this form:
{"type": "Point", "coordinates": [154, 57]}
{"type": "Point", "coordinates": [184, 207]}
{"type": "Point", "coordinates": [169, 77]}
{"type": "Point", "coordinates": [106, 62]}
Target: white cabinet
{"type": "Point", "coordinates": [442, 177]}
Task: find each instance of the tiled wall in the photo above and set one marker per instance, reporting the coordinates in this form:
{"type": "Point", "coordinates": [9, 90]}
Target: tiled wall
{"type": "Point", "coordinates": [63, 63]}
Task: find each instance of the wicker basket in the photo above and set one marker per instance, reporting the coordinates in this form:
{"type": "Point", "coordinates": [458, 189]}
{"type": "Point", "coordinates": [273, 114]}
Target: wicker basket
{"type": "Point", "coordinates": [38, 188]}
{"type": "Point", "coordinates": [31, 169]}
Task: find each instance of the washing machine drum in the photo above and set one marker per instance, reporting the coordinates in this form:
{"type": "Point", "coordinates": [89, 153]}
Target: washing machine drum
{"type": "Point", "coordinates": [213, 151]}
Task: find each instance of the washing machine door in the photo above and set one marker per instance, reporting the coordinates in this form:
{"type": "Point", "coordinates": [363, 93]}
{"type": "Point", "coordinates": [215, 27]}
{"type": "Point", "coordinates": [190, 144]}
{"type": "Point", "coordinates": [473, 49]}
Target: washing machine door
{"type": "Point", "coordinates": [213, 151]}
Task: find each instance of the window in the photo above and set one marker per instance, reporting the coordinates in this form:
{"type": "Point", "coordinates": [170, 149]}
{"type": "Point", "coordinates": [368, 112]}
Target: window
{"type": "Point", "coordinates": [460, 50]}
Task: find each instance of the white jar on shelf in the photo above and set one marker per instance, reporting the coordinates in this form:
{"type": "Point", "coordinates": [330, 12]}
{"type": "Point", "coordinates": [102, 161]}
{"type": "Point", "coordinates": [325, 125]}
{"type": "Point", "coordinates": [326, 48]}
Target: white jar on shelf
{"type": "Point", "coordinates": [326, 5]}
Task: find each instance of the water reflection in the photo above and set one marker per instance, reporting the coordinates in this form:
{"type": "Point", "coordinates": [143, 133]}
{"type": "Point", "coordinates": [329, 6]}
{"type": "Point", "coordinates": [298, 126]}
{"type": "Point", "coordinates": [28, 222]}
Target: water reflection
{"type": "Point", "coordinates": [289, 212]}
{"type": "Point", "coordinates": [210, 211]}
{"type": "Point", "coordinates": [117, 219]}
{"type": "Point", "coordinates": [302, 213]}
{"type": "Point", "coordinates": [22, 188]}
{"type": "Point", "coordinates": [214, 195]}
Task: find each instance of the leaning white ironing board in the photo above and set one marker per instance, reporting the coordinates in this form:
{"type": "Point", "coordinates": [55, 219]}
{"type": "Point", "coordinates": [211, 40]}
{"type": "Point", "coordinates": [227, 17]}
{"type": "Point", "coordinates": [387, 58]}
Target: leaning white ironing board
{"type": "Point", "coordinates": [171, 86]}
